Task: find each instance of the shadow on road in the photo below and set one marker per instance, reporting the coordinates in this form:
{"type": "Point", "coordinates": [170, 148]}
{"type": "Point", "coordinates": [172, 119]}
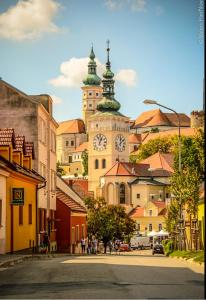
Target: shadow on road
{"type": "Point", "coordinates": [57, 280]}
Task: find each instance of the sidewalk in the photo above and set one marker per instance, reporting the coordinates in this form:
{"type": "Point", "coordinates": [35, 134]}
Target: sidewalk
{"type": "Point", "coordinates": [7, 260]}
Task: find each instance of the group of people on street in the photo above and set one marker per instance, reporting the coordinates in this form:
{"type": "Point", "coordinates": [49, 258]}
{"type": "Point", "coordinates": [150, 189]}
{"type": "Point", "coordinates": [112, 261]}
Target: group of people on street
{"type": "Point", "coordinates": [114, 245]}
{"type": "Point", "coordinates": [89, 245]}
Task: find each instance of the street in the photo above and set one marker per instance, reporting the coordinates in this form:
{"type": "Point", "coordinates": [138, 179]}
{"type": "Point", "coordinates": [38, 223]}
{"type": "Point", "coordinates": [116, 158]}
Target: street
{"type": "Point", "coordinates": [135, 275]}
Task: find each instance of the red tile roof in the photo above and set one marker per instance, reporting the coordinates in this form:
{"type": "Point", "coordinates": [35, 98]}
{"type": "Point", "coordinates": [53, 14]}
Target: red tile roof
{"type": "Point", "coordinates": [163, 212]}
{"type": "Point", "coordinates": [160, 160]}
{"type": "Point", "coordinates": [184, 119]}
{"type": "Point", "coordinates": [158, 118]}
{"type": "Point", "coordinates": [29, 149]}
{"type": "Point", "coordinates": [71, 203]}
{"type": "Point", "coordinates": [8, 165]}
{"type": "Point", "coordinates": [134, 138]}
{"type": "Point", "coordinates": [7, 136]}
{"type": "Point", "coordinates": [153, 135]}
{"type": "Point", "coordinates": [82, 147]}
{"type": "Point", "coordinates": [137, 212]}
{"type": "Point", "coordinates": [159, 204]}
{"type": "Point", "coordinates": [137, 169]}
{"type": "Point", "coordinates": [20, 143]}
{"type": "Point", "coordinates": [80, 186]}
{"type": "Point", "coordinates": [128, 169]}
{"type": "Point", "coordinates": [71, 126]}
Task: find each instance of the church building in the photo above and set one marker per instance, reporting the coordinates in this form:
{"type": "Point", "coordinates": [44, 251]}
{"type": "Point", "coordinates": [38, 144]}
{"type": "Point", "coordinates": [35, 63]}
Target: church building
{"type": "Point", "coordinates": [108, 132]}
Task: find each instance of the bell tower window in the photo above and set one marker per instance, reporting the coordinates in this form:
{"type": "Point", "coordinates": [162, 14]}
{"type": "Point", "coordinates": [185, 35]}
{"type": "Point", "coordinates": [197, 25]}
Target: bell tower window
{"type": "Point", "coordinates": [103, 163]}
{"type": "Point", "coordinates": [96, 164]}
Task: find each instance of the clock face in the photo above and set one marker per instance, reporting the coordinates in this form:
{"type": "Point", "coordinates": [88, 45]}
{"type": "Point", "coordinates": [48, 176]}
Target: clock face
{"type": "Point", "coordinates": [120, 143]}
{"type": "Point", "coordinates": [100, 142]}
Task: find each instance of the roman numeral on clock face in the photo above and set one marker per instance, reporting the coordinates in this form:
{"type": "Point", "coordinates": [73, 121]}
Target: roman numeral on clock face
{"type": "Point", "coordinates": [100, 142]}
{"type": "Point", "coordinates": [120, 143]}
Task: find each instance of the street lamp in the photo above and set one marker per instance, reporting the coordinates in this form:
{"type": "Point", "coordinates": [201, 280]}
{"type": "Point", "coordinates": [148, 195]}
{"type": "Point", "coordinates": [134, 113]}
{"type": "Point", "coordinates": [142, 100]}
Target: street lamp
{"type": "Point", "coordinates": [148, 101]}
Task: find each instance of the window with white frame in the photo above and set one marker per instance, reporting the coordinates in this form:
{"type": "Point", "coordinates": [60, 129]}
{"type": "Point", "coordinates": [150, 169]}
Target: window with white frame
{"type": "Point", "coordinates": [160, 227]}
{"type": "Point", "coordinates": [150, 227]}
{"type": "Point", "coordinates": [150, 212]}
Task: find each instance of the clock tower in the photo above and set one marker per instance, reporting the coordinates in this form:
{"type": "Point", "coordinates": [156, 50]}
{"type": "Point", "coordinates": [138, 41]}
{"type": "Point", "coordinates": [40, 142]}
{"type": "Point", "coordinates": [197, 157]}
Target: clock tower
{"type": "Point", "coordinates": [92, 90]}
{"type": "Point", "coordinates": [108, 132]}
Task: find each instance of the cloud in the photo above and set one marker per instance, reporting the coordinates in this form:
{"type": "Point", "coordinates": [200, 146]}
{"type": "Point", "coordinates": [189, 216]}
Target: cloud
{"type": "Point", "coordinates": [135, 5]}
{"type": "Point", "coordinates": [127, 76]}
{"type": "Point", "coordinates": [29, 19]}
{"type": "Point", "coordinates": [113, 4]}
{"type": "Point", "coordinates": [56, 99]}
{"type": "Point", "coordinates": [75, 70]}
{"type": "Point", "coordinates": [138, 5]}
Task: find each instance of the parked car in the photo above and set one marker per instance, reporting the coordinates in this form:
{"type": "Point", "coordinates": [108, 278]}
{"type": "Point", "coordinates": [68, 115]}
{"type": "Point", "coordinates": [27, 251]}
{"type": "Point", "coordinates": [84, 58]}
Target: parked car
{"type": "Point", "coordinates": [124, 247]}
{"type": "Point", "coordinates": [158, 248]}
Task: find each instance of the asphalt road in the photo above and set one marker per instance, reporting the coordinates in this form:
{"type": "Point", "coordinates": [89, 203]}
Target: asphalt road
{"type": "Point", "coordinates": [125, 276]}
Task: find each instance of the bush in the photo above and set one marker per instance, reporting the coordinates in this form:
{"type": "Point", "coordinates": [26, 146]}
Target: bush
{"type": "Point", "coordinates": [168, 246]}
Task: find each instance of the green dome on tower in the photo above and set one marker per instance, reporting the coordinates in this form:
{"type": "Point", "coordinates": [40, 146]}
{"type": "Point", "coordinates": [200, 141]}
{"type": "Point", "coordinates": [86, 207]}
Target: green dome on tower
{"type": "Point", "coordinates": [108, 102]}
{"type": "Point", "coordinates": [92, 78]}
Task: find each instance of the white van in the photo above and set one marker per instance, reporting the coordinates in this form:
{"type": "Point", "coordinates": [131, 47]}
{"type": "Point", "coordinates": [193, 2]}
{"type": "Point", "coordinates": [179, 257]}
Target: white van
{"type": "Point", "coordinates": [140, 242]}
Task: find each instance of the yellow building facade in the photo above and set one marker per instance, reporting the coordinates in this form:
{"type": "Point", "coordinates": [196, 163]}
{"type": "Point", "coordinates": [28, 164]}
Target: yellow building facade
{"type": "Point", "coordinates": [19, 201]}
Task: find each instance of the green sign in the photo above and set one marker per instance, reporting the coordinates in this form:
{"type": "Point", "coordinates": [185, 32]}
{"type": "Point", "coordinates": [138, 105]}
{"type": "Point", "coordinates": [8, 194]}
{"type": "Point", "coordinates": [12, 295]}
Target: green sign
{"type": "Point", "coordinates": [17, 196]}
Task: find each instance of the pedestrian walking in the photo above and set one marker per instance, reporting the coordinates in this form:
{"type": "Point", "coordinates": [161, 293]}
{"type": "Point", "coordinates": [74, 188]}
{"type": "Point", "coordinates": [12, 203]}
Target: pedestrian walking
{"type": "Point", "coordinates": [46, 242]}
{"type": "Point", "coordinates": [83, 245]}
{"type": "Point", "coordinates": [110, 245]}
{"type": "Point", "coordinates": [94, 246]}
{"type": "Point", "coordinates": [89, 246]}
{"type": "Point", "coordinates": [117, 246]}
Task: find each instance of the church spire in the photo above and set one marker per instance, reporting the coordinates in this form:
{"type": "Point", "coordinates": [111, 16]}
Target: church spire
{"type": "Point", "coordinates": [92, 78]}
{"type": "Point", "coordinates": [108, 103]}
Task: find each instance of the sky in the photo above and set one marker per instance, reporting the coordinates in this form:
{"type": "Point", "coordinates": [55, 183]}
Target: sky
{"type": "Point", "coordinates": [156, 51]}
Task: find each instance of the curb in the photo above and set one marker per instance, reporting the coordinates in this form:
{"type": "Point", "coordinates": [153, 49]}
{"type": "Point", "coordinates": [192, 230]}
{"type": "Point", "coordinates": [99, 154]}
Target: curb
{"type": "Point", "coordinates": [12, 261]}
{"type": "Point", "coordinates": [190, 260]}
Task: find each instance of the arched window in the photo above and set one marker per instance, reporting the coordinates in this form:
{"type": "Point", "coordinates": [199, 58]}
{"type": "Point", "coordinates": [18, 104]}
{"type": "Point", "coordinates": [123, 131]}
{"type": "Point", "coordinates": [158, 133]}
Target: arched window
{"type": "Point", "coordinates": [96, 164]}
{"type": "Point", "coordinates": [122, 193]}
{"type": "Point", "coordinates": [103, 163]}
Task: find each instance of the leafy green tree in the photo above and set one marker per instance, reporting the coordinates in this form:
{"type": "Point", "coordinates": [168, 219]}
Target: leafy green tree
{"type": "Point", "coordinates": [85, 162]}
{"type": "Point", "coordinates": [185, 184]}
{"type": "Point", "coordinates": [107, 222]}
{"type": "Point", "coordinates": [60, 170]}
{"type": "Point", "coordinates": [151, 147]}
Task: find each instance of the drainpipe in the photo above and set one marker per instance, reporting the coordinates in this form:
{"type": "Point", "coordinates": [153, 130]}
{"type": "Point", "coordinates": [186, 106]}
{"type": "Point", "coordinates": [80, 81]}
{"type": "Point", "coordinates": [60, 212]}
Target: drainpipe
{"type": "Point", "coordinates": [37, 189]}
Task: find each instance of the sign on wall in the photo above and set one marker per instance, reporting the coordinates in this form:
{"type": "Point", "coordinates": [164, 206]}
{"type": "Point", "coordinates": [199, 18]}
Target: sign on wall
{"type": "Point", "coordinates": [17, 196]}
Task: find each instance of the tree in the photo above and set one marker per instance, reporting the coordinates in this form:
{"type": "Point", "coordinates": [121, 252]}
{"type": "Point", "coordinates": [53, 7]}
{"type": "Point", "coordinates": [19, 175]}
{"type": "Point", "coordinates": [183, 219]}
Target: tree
{"type": "Point", "coordinates": [60, 170]}
{"type": "Point", "coordinates": [107, 222]}
{"type": "Point", "coordinates": [85, 162]}
{"type": "Point", "coordinates": [151, 147]}
{"type": "Point", "coordinates": [185, 184]}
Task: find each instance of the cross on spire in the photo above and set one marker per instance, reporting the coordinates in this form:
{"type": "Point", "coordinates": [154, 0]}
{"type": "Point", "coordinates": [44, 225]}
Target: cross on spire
{"type": "Point", "coordinates": [108, 49]}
